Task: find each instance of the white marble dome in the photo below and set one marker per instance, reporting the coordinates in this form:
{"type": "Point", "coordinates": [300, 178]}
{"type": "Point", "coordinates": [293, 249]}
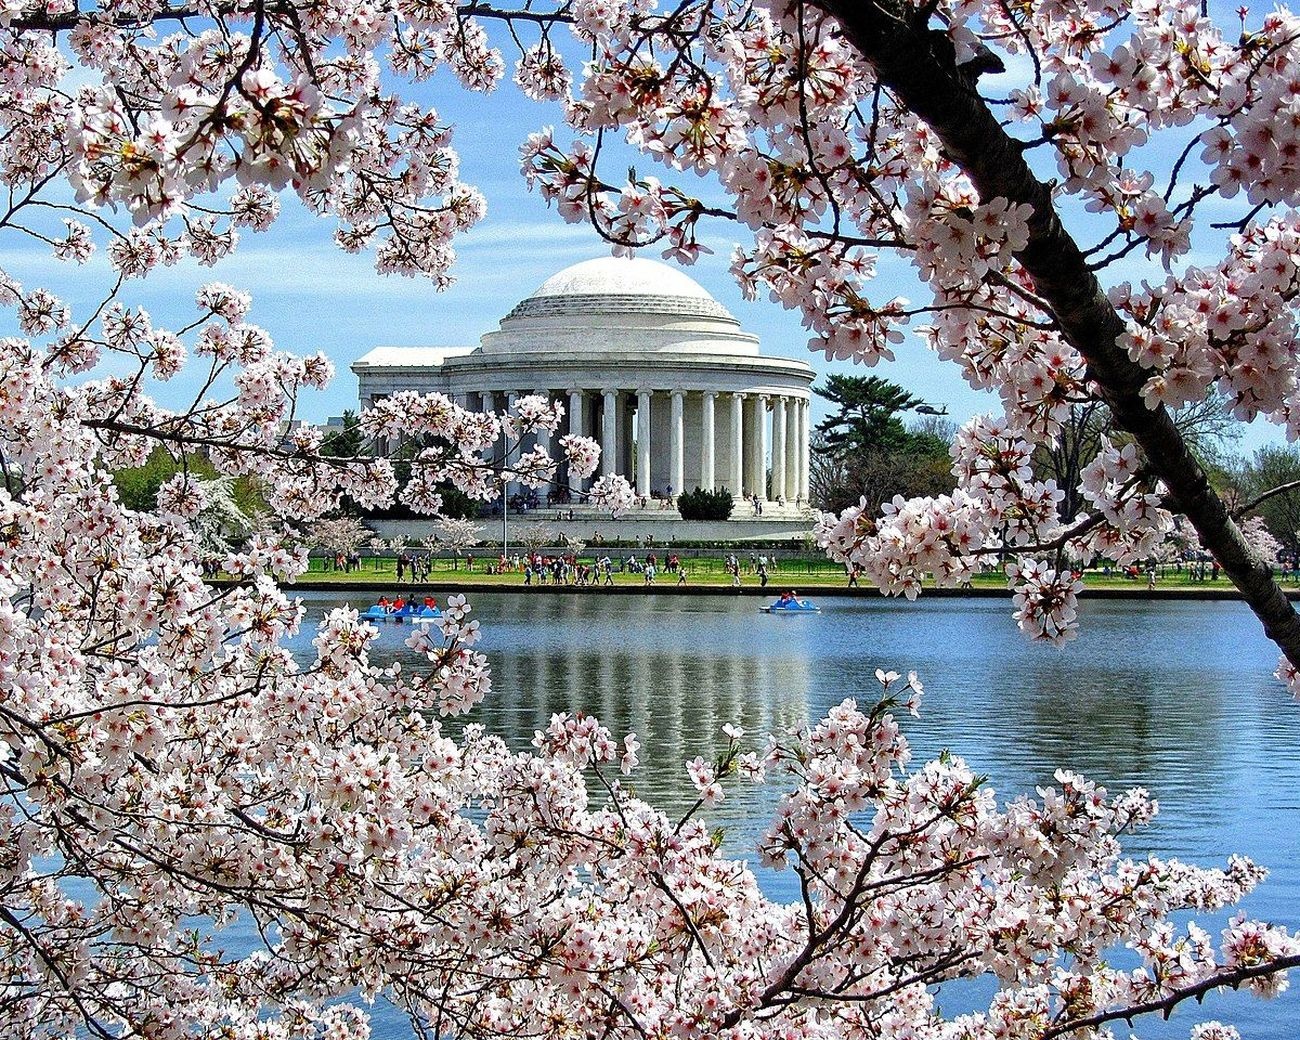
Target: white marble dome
{"type": "Point", "coordinates": [617, 276]}
{"type": "Point", "coordinates": [616, 304]}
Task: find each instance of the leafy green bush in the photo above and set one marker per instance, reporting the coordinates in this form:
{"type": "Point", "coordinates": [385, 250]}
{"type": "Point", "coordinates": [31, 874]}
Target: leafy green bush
{"type": "Point", "coordinates": [705, 505]}
{"type": "Point", "coordinates": [138, 485]}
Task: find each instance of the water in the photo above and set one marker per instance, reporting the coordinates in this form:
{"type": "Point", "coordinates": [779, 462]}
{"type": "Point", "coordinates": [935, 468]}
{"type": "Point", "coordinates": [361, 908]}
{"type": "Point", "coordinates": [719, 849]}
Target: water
{"type": "Point", "coordinates": [1175, 697]}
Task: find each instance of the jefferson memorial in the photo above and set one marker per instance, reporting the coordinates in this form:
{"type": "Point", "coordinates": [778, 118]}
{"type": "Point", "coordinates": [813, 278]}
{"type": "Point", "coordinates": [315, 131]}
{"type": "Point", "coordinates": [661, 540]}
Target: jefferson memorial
{"type": "Point", "coordinates": [651, 366]}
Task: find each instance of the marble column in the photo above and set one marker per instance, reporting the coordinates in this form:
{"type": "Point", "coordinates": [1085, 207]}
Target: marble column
{"type": "Point", "coordinates": [643, 399]}
{"type": "Point", "coordinates": [751, 407]}
{"type": "Point", "coordinates": [793, 452]}
{"type": "Point", "coordinates": [805, 448]}
{"type": "Point", "coordinates": [577, 413]}
{"type": "Point", "coordinates": [487, 403]}
{"type": "Point", "coordinates": [707, 442]}
{"type": "Point", "coordinates": [760, 463]}
{"type": "Point", "coordinates": [737, 446]}
{"type": "Point", "coordinates": [676, 444]}
{"type": "Point", "coordinates": [779, 447]}
{"type": "Point", "coordinates": [751, 445]}
{"type": "Point", "coordinates": [577, 427]}
{"type": "Point", "coordinates": [609, 433]}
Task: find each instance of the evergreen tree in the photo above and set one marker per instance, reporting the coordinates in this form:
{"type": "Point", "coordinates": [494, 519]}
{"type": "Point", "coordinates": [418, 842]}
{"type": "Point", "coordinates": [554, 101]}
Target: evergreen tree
{"type": "Point", "coordinates": [345, 443]}
{"type": "Point", "coordinates": [868, 416]}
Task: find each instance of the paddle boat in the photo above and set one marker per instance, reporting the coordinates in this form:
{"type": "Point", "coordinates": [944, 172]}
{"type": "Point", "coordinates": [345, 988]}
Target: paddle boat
{"type": "Point", "coordinates": [416, 613]}
{"type": "Point", "coordinates": [791, 604]}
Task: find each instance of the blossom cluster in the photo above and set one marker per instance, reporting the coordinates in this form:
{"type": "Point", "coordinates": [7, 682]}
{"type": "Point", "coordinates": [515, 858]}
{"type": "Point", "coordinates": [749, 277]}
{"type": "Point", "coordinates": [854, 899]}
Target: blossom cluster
{"type": "Point", "coordinates": [999, 509]}
{"type": "Point", "coordinates": [192, 116]}
{"type": "Point", "coordinates": [1229, 327]}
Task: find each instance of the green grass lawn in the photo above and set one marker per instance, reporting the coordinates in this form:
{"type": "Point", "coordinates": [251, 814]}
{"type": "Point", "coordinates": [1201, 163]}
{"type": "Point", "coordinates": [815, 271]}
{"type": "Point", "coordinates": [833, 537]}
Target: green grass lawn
{"type": "Point", "coordinates": [704, 571]}
{"type": "Point", "coordinates": [811, 572]}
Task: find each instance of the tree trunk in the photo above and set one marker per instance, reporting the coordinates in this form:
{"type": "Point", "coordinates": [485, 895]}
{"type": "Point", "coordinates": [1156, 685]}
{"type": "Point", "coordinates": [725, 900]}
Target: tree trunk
{"type": "Point", "coordinates": [929, 85]}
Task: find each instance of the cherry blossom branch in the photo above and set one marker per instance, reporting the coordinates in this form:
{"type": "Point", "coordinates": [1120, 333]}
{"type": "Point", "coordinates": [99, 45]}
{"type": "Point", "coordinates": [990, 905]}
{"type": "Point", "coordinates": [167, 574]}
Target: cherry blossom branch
{"type": "Point", "coordinates": [523, 14]}
{"type": "Point", "coordinates": [934, 89]}
{"type": "Point", "coordinates": [51, 963]}
{"type": "Point", "coordinates": [1083, 527]}
{"type": "Point", "coordinates": [1163, 1006]}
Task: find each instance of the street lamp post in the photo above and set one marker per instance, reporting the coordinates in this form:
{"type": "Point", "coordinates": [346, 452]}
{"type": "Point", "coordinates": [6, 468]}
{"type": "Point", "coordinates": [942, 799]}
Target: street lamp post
{"type": "Point", "coordinates": [505, 513]}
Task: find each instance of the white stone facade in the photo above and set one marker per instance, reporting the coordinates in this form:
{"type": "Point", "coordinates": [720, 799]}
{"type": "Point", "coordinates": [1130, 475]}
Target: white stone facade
{"type": "Point", "coordinates": [648, 364]}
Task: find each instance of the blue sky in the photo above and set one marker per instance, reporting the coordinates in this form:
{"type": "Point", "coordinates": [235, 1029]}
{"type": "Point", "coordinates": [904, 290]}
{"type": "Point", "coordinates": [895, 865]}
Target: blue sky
{"type": "Point", "coordinates": [311, 296]}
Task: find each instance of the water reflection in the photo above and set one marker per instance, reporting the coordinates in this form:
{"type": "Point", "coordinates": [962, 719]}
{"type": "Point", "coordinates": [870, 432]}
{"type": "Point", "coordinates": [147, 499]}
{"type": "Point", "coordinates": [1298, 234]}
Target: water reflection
{"type": "Point", "coordinates": [672, 676]}
{"type": "Point", "coordinates": [1175, 697]}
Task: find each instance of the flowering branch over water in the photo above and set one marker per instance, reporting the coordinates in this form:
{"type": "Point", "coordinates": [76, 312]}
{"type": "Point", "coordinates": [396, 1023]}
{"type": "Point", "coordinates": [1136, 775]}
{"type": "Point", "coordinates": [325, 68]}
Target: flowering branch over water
{"type": "Point", "coordinates": [170, 768]}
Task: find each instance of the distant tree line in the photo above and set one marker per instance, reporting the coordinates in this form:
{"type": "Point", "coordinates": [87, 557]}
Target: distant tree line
{"type": "Point", "coordinates": [348, 442]}
{"type": "Point", "coordinates": [864, 448]}
{"type": "Point", "coordinates": [869, 447]}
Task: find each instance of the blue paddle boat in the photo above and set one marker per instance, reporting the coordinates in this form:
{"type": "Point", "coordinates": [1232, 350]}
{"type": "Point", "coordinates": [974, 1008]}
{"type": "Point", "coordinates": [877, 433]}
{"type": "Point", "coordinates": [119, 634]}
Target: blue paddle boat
{"type": "Point", "coordinates": [415, 613]}
{"type": "Point", "coordinates": [791, 604]}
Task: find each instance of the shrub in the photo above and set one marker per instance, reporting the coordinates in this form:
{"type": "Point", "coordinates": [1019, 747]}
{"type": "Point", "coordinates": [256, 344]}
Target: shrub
{"type": "Point", "coordinates": [705, 505]}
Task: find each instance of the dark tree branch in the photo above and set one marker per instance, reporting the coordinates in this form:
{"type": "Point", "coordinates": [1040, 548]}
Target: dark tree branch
{"type": "Point", "coordinates": [1059, 542]}
{"type": "Point", "coordinates": [1232, 978]}
{"type": "Point", "coordinates": [38, 20]}
{"type": "Point", "coordinates": [1259, 500]}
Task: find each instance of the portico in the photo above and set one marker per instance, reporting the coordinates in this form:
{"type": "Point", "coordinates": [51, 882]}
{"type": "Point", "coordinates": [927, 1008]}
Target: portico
{"type": "Point", "coordinates": [648, 364]}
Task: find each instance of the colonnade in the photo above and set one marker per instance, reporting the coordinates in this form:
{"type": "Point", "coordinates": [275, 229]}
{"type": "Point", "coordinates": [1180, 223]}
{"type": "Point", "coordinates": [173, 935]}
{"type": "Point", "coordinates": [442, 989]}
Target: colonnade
{"type": "Point", "coordinates": [675, 440]}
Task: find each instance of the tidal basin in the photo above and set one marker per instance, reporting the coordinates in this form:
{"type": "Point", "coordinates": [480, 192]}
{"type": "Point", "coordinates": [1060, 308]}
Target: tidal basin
{"type": "Point", "coordinates": [1176, 697]}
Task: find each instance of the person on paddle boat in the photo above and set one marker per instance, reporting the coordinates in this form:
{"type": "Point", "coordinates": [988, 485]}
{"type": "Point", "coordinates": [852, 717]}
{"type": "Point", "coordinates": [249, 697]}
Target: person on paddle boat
{"type": "Point", "coordinates": [399, 605]}
{"type": "Point", "coordinates": [787, 599]}
{"type": "Point", "coordinates": [384, 604]}
{"type": "Point", "coordinates": [430, 603]}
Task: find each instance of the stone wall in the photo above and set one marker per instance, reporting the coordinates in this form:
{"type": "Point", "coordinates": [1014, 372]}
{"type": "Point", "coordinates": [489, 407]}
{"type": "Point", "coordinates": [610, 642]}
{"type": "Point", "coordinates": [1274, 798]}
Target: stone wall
{"type": "Point", "coordinates": [631, 528]}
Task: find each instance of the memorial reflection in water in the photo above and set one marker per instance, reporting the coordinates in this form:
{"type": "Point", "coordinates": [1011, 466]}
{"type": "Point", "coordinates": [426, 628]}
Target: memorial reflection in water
{"type": "Point", "coordinates": [640, 668]}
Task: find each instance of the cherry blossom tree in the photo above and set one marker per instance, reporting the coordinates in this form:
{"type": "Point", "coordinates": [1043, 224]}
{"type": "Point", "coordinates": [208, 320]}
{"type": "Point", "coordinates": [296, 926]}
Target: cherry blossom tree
{"type": "Point", "coordinates": [536, 537]}
{"type": "Point", "coordinates": [456, 535]}
{"type": "Point", "coordinates": [339, 535]}
{"type": "Point", "coordinates": [1261, 541]}
{"type": "Point", "coordinates": [170, 768]}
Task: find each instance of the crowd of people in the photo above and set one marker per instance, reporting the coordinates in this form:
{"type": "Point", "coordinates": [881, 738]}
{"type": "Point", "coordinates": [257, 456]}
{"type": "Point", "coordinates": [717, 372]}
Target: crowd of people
{"type": "Point", "coordinates": [399, 603]}
{"type": "Point", "coordinates": [567, 569]}
{"type": "Point", "coordinates": [347, 562]}
{"type": "Point", "coordinates": [760, 564]}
